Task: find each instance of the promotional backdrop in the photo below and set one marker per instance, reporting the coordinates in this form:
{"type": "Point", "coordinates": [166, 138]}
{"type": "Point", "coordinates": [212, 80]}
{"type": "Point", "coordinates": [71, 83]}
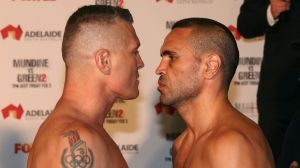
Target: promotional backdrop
{"type": "Point", "coordinates": [32, 75]}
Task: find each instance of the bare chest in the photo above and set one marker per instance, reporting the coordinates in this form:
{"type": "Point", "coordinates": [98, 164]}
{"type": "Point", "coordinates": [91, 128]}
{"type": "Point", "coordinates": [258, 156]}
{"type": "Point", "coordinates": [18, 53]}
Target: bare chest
{"type": "Point", "coordinates": [190, 154]}
{"type": "Point", "coordinates": [193, 157]}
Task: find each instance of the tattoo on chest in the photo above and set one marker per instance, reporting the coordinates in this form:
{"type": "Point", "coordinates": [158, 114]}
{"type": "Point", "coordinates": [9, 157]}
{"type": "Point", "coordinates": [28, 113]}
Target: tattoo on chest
{"type": "Point", "coordinates": [78, 155]}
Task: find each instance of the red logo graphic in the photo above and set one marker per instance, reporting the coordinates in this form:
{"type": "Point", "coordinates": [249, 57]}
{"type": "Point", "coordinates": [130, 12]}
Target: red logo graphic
{"type": "Point", "coordinates": [235, 32]}
{"type": "Point", "coordinates": [164, 108]}
{"type": "Point", "coordinates": [11, 31]}
{"type": "Point", "coordinates": [170, 1]}
{"type": "Point", "coordinates": [17, 112]}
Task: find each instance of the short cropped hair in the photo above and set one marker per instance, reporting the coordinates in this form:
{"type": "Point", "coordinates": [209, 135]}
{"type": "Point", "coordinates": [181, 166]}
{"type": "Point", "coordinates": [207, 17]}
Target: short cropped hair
{"type": "Point", "coordinates": [93, 14]}
{"type": "Point", "coordinates": [211, 36]}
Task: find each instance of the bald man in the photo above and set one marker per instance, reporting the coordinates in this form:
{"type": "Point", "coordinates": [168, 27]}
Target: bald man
{"type": "Point", "coordinates": [100, 51]}
{"type": "Point", "coordinates": [199, 59]}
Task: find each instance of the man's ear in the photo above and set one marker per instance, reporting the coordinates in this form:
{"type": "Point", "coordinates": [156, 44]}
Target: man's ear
{"type": "Point", "coordinates": [212, 65]}
{"type": "Point", "coordinates": [103, 62]}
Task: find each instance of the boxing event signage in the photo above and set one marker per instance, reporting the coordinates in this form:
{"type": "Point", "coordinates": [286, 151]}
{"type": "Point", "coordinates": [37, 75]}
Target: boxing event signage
{"type": "Point", "coordinates": [18, 112]}
{"type": "Point", "coordinates": [17, 32]}
{"type": "Point", "coordinates": [32, 75]}
{"type": "Point", "coordinates": [248, 73]}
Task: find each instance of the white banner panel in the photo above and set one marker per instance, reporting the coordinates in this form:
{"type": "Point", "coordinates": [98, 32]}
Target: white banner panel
{"type": "Point", "coordinates": [32, 75]}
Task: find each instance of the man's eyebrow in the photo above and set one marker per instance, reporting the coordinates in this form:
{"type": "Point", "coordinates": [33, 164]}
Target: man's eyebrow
{"type": "Point", "coordinates": [167, 52]}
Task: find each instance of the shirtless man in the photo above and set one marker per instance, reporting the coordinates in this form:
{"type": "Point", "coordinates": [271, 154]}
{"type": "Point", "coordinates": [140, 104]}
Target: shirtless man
{"type": "Point", "coordinates": [199, 59]}
{"type": "Point", "coordinates": [100, 50]}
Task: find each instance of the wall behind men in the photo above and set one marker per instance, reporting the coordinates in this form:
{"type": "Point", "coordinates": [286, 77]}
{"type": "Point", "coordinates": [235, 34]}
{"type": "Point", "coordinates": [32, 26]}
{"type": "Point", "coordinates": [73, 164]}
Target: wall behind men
{"type": "Point", "coordinates": [32, 30]}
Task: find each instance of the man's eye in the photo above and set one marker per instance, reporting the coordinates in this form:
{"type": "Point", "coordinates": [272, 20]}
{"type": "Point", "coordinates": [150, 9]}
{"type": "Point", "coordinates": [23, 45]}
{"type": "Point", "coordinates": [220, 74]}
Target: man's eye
{"type": "Point", "coordinates": [171, 57]}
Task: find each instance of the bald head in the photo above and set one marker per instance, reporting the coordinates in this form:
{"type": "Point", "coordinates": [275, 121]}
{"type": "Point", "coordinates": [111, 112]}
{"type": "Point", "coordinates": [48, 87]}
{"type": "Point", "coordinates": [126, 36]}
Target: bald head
{"type": "Point", "coordinates": [91, 28]}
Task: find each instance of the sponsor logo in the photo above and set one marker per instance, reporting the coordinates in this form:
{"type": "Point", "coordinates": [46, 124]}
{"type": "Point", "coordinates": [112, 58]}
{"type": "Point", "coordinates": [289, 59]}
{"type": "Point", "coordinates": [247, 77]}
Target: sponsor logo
{"type": "Point", "coordinates": [14, 111]}
{"type": "Point", "coordinates": [116, 116]}
{"type": "Point", "coordinates": [30, 35]}
{"type": "Point", "coordinates": [17, 112]}
{"type": "Point", "coordinates": [43, 35]}
{"type": "Point", "coordinates": [235, 32]}
{"type": "Point", "coordinates": [249, 71]}
{"type": "Point", "coordinates": [12, 32]}
{"type": "Point", "coordinates": [37, 114]}
{"type": "Point", "coordinates": [129, 148]}
{"type": "Point", "coordinates": [22, 148]}
{"type": "Point", "coordinates": [31, 78]}
{"type": "Point", "coordinates": [161, 108]}
{"type": "Point", "coordinates": [119, 3]}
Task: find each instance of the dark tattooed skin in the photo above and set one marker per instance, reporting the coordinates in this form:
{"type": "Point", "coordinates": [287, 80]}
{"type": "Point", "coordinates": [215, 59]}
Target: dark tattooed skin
{"type": "Point", "coordinates": [78, 155]}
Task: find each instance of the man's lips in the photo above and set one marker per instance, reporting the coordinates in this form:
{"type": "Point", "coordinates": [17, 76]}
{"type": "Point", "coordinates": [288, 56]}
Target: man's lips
{"type": "Point", "coordinates": [160, 84]}
{"type": "Point", "coordinates": [137, 77]}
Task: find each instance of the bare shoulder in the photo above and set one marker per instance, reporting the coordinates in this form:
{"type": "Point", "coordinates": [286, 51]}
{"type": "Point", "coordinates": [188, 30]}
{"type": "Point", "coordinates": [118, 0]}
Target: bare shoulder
{"type": "Point", "coordinates": [74, 144]}
{"type": "Point", "coordinates": [79, 146]}
{"type": "Point", "coordinates": [229, 140]}
{"type": "Point", "coordinates": [234, 148]}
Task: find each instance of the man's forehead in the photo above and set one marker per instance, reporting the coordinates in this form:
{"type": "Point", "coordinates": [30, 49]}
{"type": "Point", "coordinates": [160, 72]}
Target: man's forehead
{"type": "Point", "coordinates": [128, 32]}
{"type": "Point", "coordinates": [135, 39]}
{"type": "Point", "coordinates": [173, 39]}
{"type": "Point", "coordinates": [178, 36]}
{"type": "Point", "coordinates": [181, 32]}
{"type": "Point", "coordinates": [177, 41]}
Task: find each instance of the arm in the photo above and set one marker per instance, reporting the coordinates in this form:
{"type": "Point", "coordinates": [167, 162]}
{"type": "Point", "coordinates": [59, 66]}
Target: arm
{"type": "Point", "coordinates": [279, 6]}
{"type": "Point", "coordinates": [92, 148]}
{"type": "Point", "coordinates": [232, 151]}
{"type": "Point", "coordinates": [80, 147]}
{"type": "Point", "coordinates": [252, 20]}
{"type": "Point", "coordinates": [82, 151]}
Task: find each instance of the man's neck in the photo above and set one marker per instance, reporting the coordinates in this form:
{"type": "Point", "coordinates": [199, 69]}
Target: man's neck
{"type": "Point", "coordinates": [202, 113]}
{"type": "Point", "coordinates": [89, 100]}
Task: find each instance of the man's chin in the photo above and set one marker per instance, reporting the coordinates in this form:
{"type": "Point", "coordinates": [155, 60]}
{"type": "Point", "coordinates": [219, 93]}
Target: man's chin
{"type": "Point", "coordinates": [164, 100]}
{"type": "Point", "coordinates": [131, 96]}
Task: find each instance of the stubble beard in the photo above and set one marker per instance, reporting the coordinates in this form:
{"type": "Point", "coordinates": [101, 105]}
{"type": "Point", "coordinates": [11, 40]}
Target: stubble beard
{"type": "Point", "coordinates": [183, 91]}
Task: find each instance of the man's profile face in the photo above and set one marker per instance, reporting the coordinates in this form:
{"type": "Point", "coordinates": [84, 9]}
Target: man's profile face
{"type": "Point", "coordinates": [179, 70]}
{"type": "Point", "coordinates": [126, 63]}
